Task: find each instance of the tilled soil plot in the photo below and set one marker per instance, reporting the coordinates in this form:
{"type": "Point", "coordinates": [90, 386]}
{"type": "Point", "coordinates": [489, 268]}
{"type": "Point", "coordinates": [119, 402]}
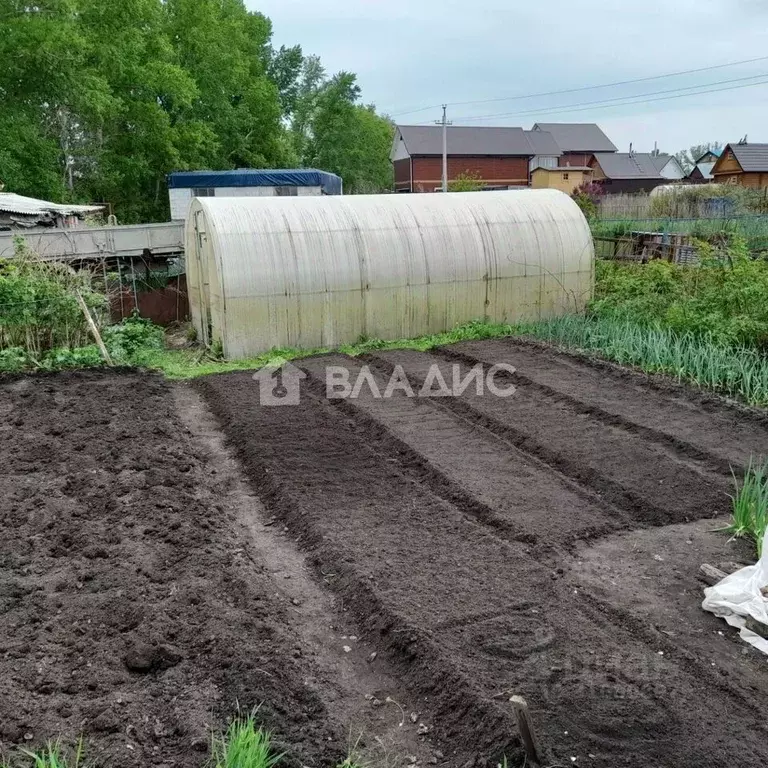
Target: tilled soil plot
{"type": "Point", "coordinates": [128, 613]}
{"type": "Point", "coordinates": [491, 546]}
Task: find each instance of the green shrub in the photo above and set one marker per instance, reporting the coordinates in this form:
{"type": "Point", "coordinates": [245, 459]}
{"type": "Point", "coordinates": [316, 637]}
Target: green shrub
{"type": "Point", "coordinates": [133, 336]}
{"type": "Point", "coordinates": [724, 297]}
{"type": "Point", "coordinates": [39, 307]}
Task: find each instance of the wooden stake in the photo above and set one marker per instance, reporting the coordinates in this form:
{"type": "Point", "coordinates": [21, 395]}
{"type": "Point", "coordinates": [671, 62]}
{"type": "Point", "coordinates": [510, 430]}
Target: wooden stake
{"type": "Point", "coordinates": [527, 732]}
{"type": "Point", "coordinates": [711, 575]}
{"type": "Point", "coordinates": [94, 329]}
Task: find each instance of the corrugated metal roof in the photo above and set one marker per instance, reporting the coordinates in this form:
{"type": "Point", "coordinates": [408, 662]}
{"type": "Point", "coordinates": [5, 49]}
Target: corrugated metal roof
{"type": "Point", "coordinates": [578, 137]}
{"type": "Point", "coordinates": [753, 158]}
{"type": "Point", "coordinates": [29, 206]}
{"type": "Point", "coordinates": [466, 140]}
{"type": "Point", "coordinates": [543, 143]}
{"type": "Point", "coordinates": [622, 165]}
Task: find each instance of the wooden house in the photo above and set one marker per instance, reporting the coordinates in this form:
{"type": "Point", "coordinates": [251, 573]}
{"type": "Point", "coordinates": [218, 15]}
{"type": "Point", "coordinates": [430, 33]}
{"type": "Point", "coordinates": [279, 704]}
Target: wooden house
{"type": "Point", "coordinates": [566, 179]}
{"type": "Point", "coordinates": [627, 172]}
{"type": "Point", "coordinates": [743, 164]}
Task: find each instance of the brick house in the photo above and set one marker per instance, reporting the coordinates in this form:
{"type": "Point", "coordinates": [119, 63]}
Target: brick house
{"type": "Point", "coordinates": [578, 142]}
{"type": "Point", "coordinates": [500, 157]}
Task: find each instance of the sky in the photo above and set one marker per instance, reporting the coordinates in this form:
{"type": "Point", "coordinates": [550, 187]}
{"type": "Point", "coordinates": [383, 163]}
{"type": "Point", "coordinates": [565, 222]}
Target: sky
{"type": "Point", "coordinates": [412, 54]}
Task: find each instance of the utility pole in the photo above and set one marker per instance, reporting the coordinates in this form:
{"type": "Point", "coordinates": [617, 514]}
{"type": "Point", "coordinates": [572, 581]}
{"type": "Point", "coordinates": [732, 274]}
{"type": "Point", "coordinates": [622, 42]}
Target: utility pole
{"type": "Point", "coordinates": [445, 123]}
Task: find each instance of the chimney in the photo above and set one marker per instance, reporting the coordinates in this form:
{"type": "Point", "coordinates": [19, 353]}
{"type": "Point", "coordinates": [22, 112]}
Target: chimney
{"type": "Point", "coordinates": [630, 150]}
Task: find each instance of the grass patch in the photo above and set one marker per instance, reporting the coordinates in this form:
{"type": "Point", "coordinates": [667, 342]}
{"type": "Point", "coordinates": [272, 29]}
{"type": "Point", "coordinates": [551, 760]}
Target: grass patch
{"type": "Point", "coordinates": [749, 514]}
{"type": "Point", "coordinates": [190, 363]}
{"type": "Point", "coordinates": [736, 371]}
{"type": "Point", "coordinates": [53, 755]}
{"type": "Point", "coordinates": [243, 745]}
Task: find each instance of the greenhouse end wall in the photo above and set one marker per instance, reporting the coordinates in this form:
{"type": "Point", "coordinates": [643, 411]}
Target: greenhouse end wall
{"type": "Point", "coordinates": [317, 272]}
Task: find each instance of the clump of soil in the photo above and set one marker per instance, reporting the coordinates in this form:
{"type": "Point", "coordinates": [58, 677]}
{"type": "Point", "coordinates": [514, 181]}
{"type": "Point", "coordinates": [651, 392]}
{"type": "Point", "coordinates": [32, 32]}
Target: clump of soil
{"type": "Point", "coordinates": [124, 615]}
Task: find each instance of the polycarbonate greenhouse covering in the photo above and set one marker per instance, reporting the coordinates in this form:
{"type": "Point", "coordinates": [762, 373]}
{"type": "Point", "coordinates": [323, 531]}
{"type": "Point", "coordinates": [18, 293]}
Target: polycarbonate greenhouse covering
{"type": "Point", "coordinates": [312, 272]}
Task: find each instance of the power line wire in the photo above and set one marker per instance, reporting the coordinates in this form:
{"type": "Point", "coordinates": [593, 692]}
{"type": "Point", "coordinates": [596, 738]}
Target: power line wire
{"type": "Point", "coordinates": [585, 88]}
{"type": "Point", "coordinates": [620, 99]}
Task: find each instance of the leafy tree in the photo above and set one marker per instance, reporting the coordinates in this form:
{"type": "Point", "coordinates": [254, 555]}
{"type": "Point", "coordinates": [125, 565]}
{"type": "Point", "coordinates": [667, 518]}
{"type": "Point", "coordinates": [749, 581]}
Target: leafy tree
{"type": "Point", "coordinates": [469, 181]}
{"type": "Point", "coordinates": [348, 138]}
{"type": "Point", "coordinates": [688, 157]}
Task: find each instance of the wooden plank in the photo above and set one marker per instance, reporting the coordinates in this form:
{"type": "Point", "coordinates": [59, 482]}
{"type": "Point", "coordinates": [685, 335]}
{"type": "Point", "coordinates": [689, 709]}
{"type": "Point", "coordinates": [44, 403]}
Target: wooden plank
{"type": "Point", "coordinates": [753, 625]}
{"type": "Point", "coordinates": [94, 329]}
{"type": "Point", "coordinates": [527, 732]}
{"type": "Point", "coordinates": [711, 575]}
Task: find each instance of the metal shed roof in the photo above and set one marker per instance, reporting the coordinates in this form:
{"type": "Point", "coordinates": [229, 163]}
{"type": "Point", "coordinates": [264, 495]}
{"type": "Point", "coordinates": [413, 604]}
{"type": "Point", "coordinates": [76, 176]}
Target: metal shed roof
{"type": "Point", "coordinates": [622, 165]}
{"type": "Point", "coordinates": [543, 143]}
{"type": "Point", "coordinates": [29, 206]}
{"type": "Point", "coordinates": [578, 137]}
{"type": "Point", "coordinates": [466, 140]}
{"type": "Point", "coordinates": [753, 158]}
{"type": "Point", "coordinates": [248, 177]}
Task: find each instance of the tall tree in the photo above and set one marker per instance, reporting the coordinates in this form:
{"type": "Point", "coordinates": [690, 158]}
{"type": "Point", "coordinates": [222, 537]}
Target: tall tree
{"type": "Point", "coordinates": [350, 139]}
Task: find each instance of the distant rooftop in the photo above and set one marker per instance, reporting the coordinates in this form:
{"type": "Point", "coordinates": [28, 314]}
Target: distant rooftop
{"type": "Point", "coordinates": [30, 206]}
{"type": "Point", "coordinates": [578, 137]}
{"type": "Point", "coordinates": [753, 158]}
{"type": "Point", "coordinates": [471, 140]}
{"type": "Point", "coordinates": [623, 165]}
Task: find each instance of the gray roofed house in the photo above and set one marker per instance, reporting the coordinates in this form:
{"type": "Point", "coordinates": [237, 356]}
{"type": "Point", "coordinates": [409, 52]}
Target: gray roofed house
{"type": "Point", "coordinates": [578, 137]}
{"type": "Point", "coordinates": [753, 158]}
{"type": "Point", "coordinates": [543, 143]}
{"type": "Point", "coordinates": [427, 140]}
{"type": "Point", "coordinates": [744, 164]}
{"type": "Point", "coordinates": [499, 158]}
{"type": "Point", "coordinates": [668, 166]}
{"type": "Point", "coordinates": [627, 171]}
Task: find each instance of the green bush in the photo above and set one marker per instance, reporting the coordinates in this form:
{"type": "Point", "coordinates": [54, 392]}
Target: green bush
{"type": "Point", "coordinates": [39, 308]}
{"type": "Point", "coordinates": [127, 340]}
{"type": "Point", "coordinates": [724, 297]}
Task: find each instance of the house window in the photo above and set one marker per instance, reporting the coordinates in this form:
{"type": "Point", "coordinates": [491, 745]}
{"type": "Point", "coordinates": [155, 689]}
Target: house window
{"type": "Point", "coordinates": [287, 191]}
{"type": "Point", "coordinates": [566, 176]}
{"type": "Point", "coordinates": [203, 192]}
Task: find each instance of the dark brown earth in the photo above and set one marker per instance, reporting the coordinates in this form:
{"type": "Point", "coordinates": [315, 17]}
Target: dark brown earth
{"type": "Point", "coordinates": [128, 611]}
{"type": "Point", "coordinates": [544, 544]}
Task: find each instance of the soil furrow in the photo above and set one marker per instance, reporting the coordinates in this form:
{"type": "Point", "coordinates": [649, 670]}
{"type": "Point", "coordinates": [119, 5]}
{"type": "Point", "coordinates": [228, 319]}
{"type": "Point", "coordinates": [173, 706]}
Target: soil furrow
{"type": "Point", "coordinates": [725, 435]}
{"type": "Point", "coordinates": [453, 603]}
{"type": "Point", "coordinates": [476, 470]}
{"type": "Point", "coordinates": [648, 481]}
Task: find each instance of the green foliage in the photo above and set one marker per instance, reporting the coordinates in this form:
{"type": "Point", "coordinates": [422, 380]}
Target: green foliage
{"type": "Point", "coordinates": [724, 297]}
{"type": "Point", "coordinates": [587, 196]}
{"type": "Point", "coordinates": [348, 138]}
{"type": "Point", "coordinates": [133, 337]}
{"type": "Point", "coordinates": [244, 745]}
{"type": "Point", "coordinates": [469, 181]}
{"type": "Point", "coordinates": [749, 513]}
{"type": "Point", "coordinates": [101, 100]}
{"type": "Point", "coordinates": [53, 755]}
{"type": "Point", "coordinates": [736, 371]}
{"type": "Point", "coordinates": [688, 157]}
{"type": "Point", "coordinates": [39, 310]}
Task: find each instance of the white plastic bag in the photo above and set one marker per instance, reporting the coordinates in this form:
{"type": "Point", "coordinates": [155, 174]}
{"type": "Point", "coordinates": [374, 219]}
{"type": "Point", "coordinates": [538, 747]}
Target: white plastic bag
{"type": "Point", "coordinates": [740, 595]}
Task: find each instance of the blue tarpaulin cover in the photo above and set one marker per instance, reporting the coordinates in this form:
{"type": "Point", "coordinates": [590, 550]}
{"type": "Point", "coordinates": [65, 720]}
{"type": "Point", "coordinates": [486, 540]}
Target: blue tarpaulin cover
{"type": "Point", "coordinates": [298, 177]}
